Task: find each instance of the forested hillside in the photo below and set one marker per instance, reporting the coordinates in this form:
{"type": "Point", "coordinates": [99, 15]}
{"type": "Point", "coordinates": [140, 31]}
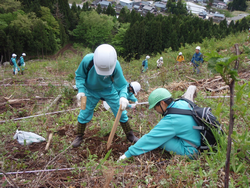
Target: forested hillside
{"type": "Point", "coordinates": [42, 27]}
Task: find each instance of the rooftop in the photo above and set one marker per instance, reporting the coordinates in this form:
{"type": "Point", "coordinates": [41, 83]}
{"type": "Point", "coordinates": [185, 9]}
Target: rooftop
{"type": "Point", "coordinates": [126, 1]}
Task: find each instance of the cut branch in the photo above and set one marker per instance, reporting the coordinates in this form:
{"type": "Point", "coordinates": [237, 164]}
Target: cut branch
{"type": "Point", "coordinates": [51, 104]}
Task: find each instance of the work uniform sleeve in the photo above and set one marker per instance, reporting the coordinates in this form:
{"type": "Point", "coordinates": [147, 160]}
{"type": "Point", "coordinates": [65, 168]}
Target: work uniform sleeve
{"type": "Point", "coordinates": [201, 58]}
{"type": "Point", "coordinates": [131, 97]}
{"type": "Point", "coordinates": [81, 73]}
{"type": "Point", "coordinates": [193, 60]}
{"type": "Point", "coordinates": [21, 60]}
{"type": "Point", "coordinates": [120, 82]}
{"type": "Point", "coordinates": [160, 134]}
{"type": "Point", "coordinates": [14, 62]}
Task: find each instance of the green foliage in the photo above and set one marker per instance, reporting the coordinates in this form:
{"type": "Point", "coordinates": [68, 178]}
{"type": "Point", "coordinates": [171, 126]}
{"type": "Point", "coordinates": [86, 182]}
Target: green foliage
{"type": "Point", "coordinates": [222, 65]}
{"type": "Point", "coordinates": [93, 29]}
{"type": "Point", "coordinates": [237, 5]}
{"type": "Point", "coordinates": [10, 5]}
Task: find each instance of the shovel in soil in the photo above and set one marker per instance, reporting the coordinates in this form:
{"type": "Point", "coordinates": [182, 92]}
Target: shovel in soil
{"type": "Point", "coordinates": [115, 125]}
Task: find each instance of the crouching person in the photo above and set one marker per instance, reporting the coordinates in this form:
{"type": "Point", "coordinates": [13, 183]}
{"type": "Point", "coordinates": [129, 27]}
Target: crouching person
{"type": "Point", "coordinates": [173, 133]}
{"type": "Point", "coordinates": [100, 76]}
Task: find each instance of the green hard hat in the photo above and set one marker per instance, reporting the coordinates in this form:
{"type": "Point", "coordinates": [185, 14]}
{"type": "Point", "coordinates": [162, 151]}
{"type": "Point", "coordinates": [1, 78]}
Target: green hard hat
{"type": "Point", "coordinates": [157, 96]}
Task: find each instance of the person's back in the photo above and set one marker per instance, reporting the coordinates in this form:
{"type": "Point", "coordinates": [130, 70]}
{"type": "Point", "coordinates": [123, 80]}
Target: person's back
{"type": "Point", "coordinates": [159, 62]}
{"type": "Point", "coordinates": [180, 58]}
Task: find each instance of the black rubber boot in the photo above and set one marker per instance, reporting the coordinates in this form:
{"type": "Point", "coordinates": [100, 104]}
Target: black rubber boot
{"type": "Point", "coordinates": [22, 72]}
{"type": "Point", "coordinates": [80, 132]}
{"type": "Point", "coordinates": [129, 133]}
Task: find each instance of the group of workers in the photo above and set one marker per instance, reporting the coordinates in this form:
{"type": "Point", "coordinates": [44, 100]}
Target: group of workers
{"type": "Point", "coordinates": [21, 63]}
{"type": "Point", "coordinates": [196, 61]}
{"type": "Point", "coordinates": [100, 77]}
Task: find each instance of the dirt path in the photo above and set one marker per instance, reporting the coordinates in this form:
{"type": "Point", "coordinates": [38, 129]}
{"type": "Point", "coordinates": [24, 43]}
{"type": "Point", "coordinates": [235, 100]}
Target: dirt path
{"type": "Point", "coordinates": [59, 53]}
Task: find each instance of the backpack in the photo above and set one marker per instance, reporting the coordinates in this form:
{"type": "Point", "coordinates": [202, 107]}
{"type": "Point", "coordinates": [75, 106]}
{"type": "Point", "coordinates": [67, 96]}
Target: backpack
{"type": "Point", "coordinates": [143, 63]}
{"type": "Point", "coordinates": [18, 63]}
{"type": "Point", "coordinates": [11, 63]}
{"type": "Point", "coordinates": [206, 122]}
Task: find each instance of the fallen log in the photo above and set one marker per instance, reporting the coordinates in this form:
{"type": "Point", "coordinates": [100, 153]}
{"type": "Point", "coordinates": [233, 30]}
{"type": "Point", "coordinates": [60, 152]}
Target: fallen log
{"type": "Point", "coordinates": [38, 115]}
{"type": "Point", "coordinates": [219, 89]}
{"type": "Point", "coordinates": [51, 104]}
{"type": "Point", "coordinates": [14, 101]}
{"type": "Point", "coordinates": [216, 97]}
{"type": "Point", "coordinates": [45, 85]}
{"type": "Point", "coordinates": [190, 94]}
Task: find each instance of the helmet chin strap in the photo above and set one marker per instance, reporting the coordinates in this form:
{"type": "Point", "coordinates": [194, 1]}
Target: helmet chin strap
{"type": "Point", "coordinates": [163, 112]}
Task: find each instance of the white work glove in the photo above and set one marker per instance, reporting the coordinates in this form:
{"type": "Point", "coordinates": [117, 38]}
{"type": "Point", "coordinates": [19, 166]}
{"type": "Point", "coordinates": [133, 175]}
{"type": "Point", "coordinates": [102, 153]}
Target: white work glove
{"type": "Point", "coordinates": [78, 96]}
{"type": "Point", "coordinates": [122, 158]}
{"type": "Point", "coordinates": [123, 103]}
{"type": "Point", "coordinates": [16, 71]}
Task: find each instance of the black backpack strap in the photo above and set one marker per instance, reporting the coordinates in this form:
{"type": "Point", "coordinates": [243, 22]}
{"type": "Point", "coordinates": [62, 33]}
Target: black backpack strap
{"type": "Point", "coordinates": [91, 64]}
{"type": "Point", "coordinates": [179, 111]}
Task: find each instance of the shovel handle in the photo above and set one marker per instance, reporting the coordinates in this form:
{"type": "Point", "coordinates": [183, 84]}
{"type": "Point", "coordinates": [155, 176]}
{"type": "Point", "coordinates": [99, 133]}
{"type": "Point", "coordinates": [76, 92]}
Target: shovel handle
{"type": "Point", "coordinates": [115, 125]}
{"type": "Point", "coordinates": [83, 102]}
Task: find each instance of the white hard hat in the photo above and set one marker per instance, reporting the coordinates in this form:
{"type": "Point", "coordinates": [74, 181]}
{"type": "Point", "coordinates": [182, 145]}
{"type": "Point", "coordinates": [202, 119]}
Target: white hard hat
{"type": "Point", "coordinates": [180, 53]}
{"type": "Point", "coordinates": [136, 87]}
{"type": "Point", "coordinates": [198, 48]}
{"type": "Point", "coordinates": [147, 57]}
{"type": "Point", "coordinates": [23, 54]}
{"type": "Point", "coordinates": [105, 58]}
{"type": "Point", "coordinates": [161, 58]}
{"type": "Point", "coordinates": [13, 55]}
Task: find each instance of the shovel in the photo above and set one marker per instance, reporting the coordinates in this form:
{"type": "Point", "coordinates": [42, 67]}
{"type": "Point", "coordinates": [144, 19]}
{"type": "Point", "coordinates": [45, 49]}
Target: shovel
{"type": "Point", "coordinates": [115, 125]}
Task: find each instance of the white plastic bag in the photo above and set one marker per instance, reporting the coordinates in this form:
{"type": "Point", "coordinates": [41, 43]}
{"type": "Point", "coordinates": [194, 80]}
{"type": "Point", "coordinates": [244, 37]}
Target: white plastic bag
{"type": "Point", "coordinates": [16, 71]}
{"type": "Point", "coordinates": [24, 64]}
{"type": "Point", "coordinates": [27, 137]}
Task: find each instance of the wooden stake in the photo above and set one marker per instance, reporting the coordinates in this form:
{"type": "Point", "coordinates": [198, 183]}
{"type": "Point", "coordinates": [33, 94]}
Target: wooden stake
{"type": "Point", "coordinates": [83, 102]}
{"type": "Point", "coordinates": [49, 141]}
{"type": "Point", "coordinates": [117, 119]}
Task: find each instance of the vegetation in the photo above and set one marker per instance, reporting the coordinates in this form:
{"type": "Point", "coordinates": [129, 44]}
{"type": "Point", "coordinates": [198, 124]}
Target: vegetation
{"type": "Point", "coordinates": [237, 5]}
{"type": "Point", "coordinates": [92, 164]}
{"type": "Point", "coordinates": [43, 27]}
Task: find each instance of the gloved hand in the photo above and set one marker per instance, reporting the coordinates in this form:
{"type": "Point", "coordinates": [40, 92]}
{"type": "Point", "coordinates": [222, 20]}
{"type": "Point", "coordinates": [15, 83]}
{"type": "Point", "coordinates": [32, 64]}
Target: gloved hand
{"type": "Point", "coordinates": [123, 103]}
{"type": "Point", "coordinates": [78, 96]}
{"type": "Point", "coordinates": [121, 158]}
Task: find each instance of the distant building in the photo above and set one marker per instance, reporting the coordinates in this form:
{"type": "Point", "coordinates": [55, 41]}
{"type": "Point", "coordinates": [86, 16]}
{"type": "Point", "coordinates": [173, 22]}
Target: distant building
{"type": "Point", "coordinates": [194, 8]}
{"type": "Point", "coordinates": [145, 3]}
{"type": "Point", "coordinates": [118, 9]}
{"type": "Point", "coordinates": [160, 5]}
{"type": "Point", "coordinates": [104, 4]}
{"type": "Point", "coordinates": [218, 17]}
{"type": "Point", "coordinates": [136, 7]}
{"type": "Point", "coordinates": [126, 3]}
{"type": "Point", "coordinates": [147, 9]}
{"type": "Point", "coordinates": [221, 5]}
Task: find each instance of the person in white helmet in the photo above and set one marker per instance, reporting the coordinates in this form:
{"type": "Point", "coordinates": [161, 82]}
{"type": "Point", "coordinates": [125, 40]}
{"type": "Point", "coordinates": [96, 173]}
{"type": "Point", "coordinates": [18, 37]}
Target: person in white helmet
{"type": "Point", "coordinates": [145, 64]}
{"type": "Point", "coordinates": [159, 62]}
{"type": "Point", "coordinates": [180, 58]}
{"type": "Point", "coordinates": [100, 76]}
{"type": "Point", "coordinates": [15, 67]}
{"type": "Point", "coordinates": [197, 59]}
{"type": "Point", "coordinates": [22, 63]}
{"type": "Point", "coordinates": [132, 90]}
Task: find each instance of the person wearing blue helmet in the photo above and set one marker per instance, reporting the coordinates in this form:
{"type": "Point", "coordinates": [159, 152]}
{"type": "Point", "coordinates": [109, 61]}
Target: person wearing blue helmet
{"type": "Point", "coordinates": [174, 133]}
{"type": "Point", "coordinates": [102, 80]}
